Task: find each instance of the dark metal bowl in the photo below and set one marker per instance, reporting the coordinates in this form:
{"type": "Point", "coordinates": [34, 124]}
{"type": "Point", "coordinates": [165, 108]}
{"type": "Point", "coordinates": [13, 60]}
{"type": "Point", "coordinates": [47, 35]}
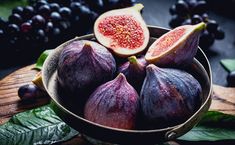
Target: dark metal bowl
{"type": "Point", "coordinates": [64, 107]}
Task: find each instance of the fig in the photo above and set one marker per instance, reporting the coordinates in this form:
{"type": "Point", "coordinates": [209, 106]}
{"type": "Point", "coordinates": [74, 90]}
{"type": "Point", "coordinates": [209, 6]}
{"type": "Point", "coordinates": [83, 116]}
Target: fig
{"type": "Point", "coordinates": [134, 70]}
{"type": "Point", "coordinates": [84, 65]}
{"type": "Point", "coordinates": [177, 47]}
{"type": "Point", "coordinates": [114, 104]}
{"type": "Point", "coordinates": [168, 96]}
{"type": "Point", "coordinates": [122, 30]}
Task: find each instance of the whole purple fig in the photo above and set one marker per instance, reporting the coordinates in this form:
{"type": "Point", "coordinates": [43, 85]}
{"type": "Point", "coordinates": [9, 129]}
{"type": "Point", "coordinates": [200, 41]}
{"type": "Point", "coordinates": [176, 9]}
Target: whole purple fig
{"type": "Point", "coordinates": [114, 104]}
{"type": "Point", "coordinates": [134, 70]}
{"type": "Point", "coordinates": [168, 96]}
{"type": "Point", "coordinates": [84, 65]}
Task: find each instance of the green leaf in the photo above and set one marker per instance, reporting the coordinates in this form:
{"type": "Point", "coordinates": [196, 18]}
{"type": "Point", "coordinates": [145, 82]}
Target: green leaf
{"type": "Point", "coordinates": [42, 58]}
{"type": "Point", "coordinates": [214, 126]}
{"type": "Point", "coordinates": [228, 64]}
{"type": "Point", "coordinates": [6, 7]}
{"type": "Point", "coordinates": [36, 126]}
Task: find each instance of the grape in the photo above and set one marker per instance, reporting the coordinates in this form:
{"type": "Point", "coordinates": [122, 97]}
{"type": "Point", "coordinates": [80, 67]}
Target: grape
{"type": "Point", "coordinates": [56, 31]}
{"type": "Point", "coordinates": [13, 29]}
{"type": "Point", "coordinates": [40, 35]}
{"type": "Point", "coordinates": [191, 3]}
{"type": "Point", "coordinates": [65, 12]}
{"type": "Point", "coordinates": [212, 26]}
{"type": "Point", "coordinates": [28, 12]}
{"type": "Point", "coordinates": [219, 34]}
{"type": "Point", "coordinates": [200, 7]}
{"type": "Point", "coordinates": [181, 8]}
{"type": "Point", "coordinates": [125, 3]}
{"type": "Point", "coordinates": [18, 10]}
{"type": "Point", "coordinates": [231, 79]}
{"type": "Point", "coordinates": [54, 6]}
{"type": "Point", "coordinates": [44, 10]}
{"type": "Point", "coordinates": [205, 17]}
{"type": "Point", "coordinates": [172, 10]}
{"type": "Point", "coordinates": [40, 3]}
{"type": "Point", "coordinates": [25, 27]}
{"type": "Point", "coordinates": [75, 7]}
{"type": "Point", "coordinates": [187, 22]}
{"type": "Point", "coordinates": [196, 19]}
{"type": "Point", "coordinates": [176, 21]}
{"type": "Point", "coordinates": [29, 91]}
{"type": "Point", "coordinates": [49, 27]}
{"type": "Point", "coordinates": [38, 21]}
{"type": "Point", "coordinates": [96, 5]}
{"type": "Point", "coordinates": [206, 39]}
{"type": "Point", "coordinates": [55, 17]}
{"type": "Point", "coordinates": [15, 18]}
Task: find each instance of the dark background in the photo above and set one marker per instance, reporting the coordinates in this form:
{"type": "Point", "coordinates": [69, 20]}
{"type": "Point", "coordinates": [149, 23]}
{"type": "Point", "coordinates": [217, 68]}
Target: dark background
{"type": "Point", "coordinates": [156, 12]}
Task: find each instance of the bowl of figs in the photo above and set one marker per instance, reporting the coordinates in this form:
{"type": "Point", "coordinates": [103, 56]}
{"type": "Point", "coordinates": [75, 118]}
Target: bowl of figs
{"type": "Point", "coordinates": [128, 82]}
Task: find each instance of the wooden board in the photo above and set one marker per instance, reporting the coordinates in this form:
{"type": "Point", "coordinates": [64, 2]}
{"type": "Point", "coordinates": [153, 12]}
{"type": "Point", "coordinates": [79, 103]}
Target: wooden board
{"type": "Point", "coordinates": [10, 103]}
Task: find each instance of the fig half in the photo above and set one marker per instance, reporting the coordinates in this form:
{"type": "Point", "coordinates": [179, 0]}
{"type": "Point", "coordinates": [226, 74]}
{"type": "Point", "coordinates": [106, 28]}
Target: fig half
{"type": "Point", "coordinates": [168, 96]}
{"type": "Point", "coordinates": [84, 65]}
{"type": "Point", "coordinates": [122, 30]}
{"type": "Point", "coordinates": [177, 47]}
{"type": "Point", "coordinates": [114, 104]}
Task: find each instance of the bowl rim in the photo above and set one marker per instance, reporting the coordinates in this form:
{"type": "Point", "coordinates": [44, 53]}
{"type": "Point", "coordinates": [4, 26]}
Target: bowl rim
{"type": "Point", "coordinates": [169, 130]}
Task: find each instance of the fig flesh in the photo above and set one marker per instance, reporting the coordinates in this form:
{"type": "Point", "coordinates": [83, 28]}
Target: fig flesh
{"type": "Point", "coordinates": [168, 96]}
{"type": "Point", "coordinates": [84, 65]}
{"type": "Point", "coordinates": [134, 70]}
{"type": "Point", "coordinates": [177, 47]}
{"type": "Point", "coordinates": [122, 30]}
{"type": "Point", "coordinates": [114, 104]}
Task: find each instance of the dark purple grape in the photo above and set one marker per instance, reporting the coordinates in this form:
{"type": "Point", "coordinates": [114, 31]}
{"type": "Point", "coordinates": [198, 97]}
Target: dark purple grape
{"type": "Point", "coordinates": [26, 27]}
{"type": "Point", "coordinates": [65, 12]}
{"type": "Point", "coordinates": [212, 26]}
{"type": "Point", "coordinates": [13, 29]}
{"type": "Point", "coordinates": [18, 10]}
{"type": "Point", "coordinates": [200, 7]}
{"type": "Point", "coordinates": [56, 31]}
{"type": "Point", "coordinates": [191, 3]}
{"type": "Point", "coordinates": [28, 12]}
{"type": "Point", "coordinates": [75, 7]}
{"type": "Point", "coordinates": [44, 10]}
{"type": "Point", "coordinates": [205, 17]}
{"type": "Point", "coordinates": [40, 35]}
{"type": "Point", "coordinates": [64, 2]}
{"type": "Point", "coordinates": [38, 21]}
{"type": "Point", "coordinates": [219, 34]}
{"type": "Point", "coordinates": [206, 40]}
{"type": "Point", "coordinates": [29, 91]}
{"type": "Point", "coordinates": [54, 7]}
{"type": "Point", "coordinates": [13, 40]}
{"type": "Point", "coordinates": [64, 25]}
{"type": "Point", "coordinates": [40, 3]}
{"type": "Point", "coordinates": [49, 27]}
{"type": "Point", "coordinates": [176, 21]}
{"type": "Point", "coordinates": [125, 3]}
{"type": "Point", "coordinates": [15, 18]}
{"type": "Point", "coordinates": [181, 8]}
{"type": "Point", "coordinates": [3, 23]}
{"type": "Point", "coordinates": [187, 22]}
{"type": "Point", "coordinates": [172, 10]}
{"type": "Point", "coordinates": [55, 17]}
{"type": "Point", "coordinates": [231, 79]}
{"type": "Point", "coordinates": [196, 19]}
{"type": "Point", "coordinates": [96, 5]}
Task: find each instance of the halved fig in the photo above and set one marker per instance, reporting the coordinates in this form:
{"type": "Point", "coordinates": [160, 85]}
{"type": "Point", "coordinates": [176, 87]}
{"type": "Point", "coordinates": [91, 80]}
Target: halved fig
{"type": "Point", "coordinates": [177, 47]}
{"type": "Point", "coordinates": [122, 30]}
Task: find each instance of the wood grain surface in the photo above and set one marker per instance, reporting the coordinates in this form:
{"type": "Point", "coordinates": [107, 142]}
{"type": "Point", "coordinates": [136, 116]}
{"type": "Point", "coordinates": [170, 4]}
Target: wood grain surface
{"type": "Point", "coordinates": [223, 99]}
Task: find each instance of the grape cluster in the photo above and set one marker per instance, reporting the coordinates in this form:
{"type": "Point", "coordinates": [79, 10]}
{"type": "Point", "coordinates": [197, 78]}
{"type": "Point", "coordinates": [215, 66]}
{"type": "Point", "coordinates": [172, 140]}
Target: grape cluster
{"type": "Point", "coordinates": [44, 24]}
{"type": "Point", "coordinates": [192, 12]}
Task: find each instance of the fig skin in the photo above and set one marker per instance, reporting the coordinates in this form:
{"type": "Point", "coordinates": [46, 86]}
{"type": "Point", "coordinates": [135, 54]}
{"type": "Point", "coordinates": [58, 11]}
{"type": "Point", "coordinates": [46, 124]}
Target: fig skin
{"type": "Point", "coordinates": [179, 52]}
{"type": "Point", "coordinates": [134, 70]}
{"type": "Point", "coordinates": [168, 96]}
{"type": "Point", "coordinates": [84, 65]}
{"type": "Point", "coordinates": [123, 31]}
{"type": "Point", "coordinates": [114, 104]}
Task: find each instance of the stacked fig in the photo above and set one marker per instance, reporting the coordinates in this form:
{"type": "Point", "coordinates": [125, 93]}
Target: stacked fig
{"type": "Point", "coordinates": [149, 90]}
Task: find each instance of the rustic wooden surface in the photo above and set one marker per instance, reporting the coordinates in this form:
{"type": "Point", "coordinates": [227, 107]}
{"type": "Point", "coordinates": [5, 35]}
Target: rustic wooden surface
{"type": "Point", "coordinates": [10, 103]}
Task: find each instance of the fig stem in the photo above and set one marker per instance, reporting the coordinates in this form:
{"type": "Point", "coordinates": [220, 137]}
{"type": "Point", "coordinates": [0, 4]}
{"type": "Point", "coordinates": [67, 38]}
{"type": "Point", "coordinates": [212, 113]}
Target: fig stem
{"type": "Point", "coordinates": [87, 47]}
{"type": "Point", "coordinates": [132, 59]}
{"type": "Point", "coordinates": [138, 7]}
{"type": "Point", "coordinates": [200, 26]}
